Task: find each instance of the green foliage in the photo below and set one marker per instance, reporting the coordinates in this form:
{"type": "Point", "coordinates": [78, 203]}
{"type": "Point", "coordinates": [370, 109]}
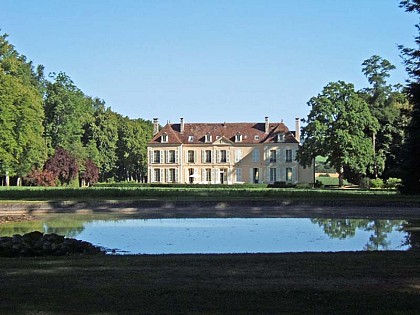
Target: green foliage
{"type": "Point", "coordinates": [337, 127]}
{"type": "Point", "coordinates": [392, 183]}
{"type": "Point", "coordinates": [376, 183]}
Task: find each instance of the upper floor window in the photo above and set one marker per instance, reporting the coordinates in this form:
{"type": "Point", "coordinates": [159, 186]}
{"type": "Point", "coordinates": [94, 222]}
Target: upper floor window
{"type": "Point", "coordinates": [273, 156]}
{"type": "Point", "coordinates": [164, 138]}
{"type": "Point", "coordinates": [190, 138]}
{"type": "Point", "coordinates": [191, 156]}
{"type": "Point", "coordinates": [207, 156]}
{"type": "Point", "coordinates": [156, 156]}
{"type": "Point", "coordinates": [288, 155]}
{"type": "Point", "coordinates": [223, 156]}
{"type": "Point", "coordinates": [208, 138]}
{"type": "Point", "coordinates": [238, 138]}
{"type": "Point", "coordinates": [171, 156]}
{"type": "Point", "coordinates": [256, 155]}
{"type": "Point", "coordinates": [280, 137]}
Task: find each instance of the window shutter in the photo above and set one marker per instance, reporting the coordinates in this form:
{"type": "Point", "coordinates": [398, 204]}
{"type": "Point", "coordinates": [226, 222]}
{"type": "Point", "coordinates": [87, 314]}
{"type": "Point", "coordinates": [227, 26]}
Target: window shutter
{"type": "Point", "coordinates": [167, 175]}
{"type": "Point", "coordinates": [228, 156]}
{"type": "Point", "coordinates": [267, 174]}
{"type": "Point", "coordinates": [251, 175]}
{"type": "Point", "coordinates": [176, 176]}
{"type": "Point", "coordinates": [176, 155]}
{"type": "Point", "coordinates": [278, 156]}
{"type": "Point", "coordinates": [278, 178]}
{"type": "Point", "coordinates": [195, 156]}
{"type": "Point", "coordinates": [186, 156]}
{"type": "Point", "coordinates": [166, 156]}
{"type": "Point", "coordinates": [161, 156]}
{"type": "Point", "coordinates": [212, 156]}
{"type": "Point", "coordinates": [203, 156]}
{"type": "Point", "coordinates": [151, 156]}
{"type": "Point", "coordinates": [266, 155]}
{"type": "Point", "coordinates": [217, 156]}
{"type": "Point", "coordinates": [203, 175]}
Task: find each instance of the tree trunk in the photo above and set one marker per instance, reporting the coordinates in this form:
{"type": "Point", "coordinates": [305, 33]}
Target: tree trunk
{"type": "Point", "coordinates": [19, 181]}
{"type": "Point", "coordinates": [341, 177]}
{"type": "Point", "coordinates": [7, 179]}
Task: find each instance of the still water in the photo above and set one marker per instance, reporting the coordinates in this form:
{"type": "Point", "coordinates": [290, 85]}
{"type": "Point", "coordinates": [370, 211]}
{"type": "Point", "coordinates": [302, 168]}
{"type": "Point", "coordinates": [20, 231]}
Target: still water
{"type": "Point", "coordinates": [125, 235]}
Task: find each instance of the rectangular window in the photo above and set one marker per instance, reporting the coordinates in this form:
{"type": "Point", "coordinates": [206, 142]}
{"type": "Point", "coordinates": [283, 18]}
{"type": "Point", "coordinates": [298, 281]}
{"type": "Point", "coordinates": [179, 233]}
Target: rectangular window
{"type": "Point", "coordinates": [238, 138]}
{"type": "Point", "coordinates": [191, 156]}
{"type": "Point", "coordinates": [164, 138]}
{"type": "Point", "coordinates": [171, 175]}
{"type": "Point", "coordinates": [273, 177]}
{"type": "Point", "coordinates": [171, 156]}
{"type": "Point", "coordinates": [256, 155]}
{"type": "Point", "coordinates": [208, 175]}
{"type": "Point", "coordinates": [289, 174]}
{"type": "Point", "coordinates": [190, 138]}
{"type": "Point", "coordinates": [157, 175]}
{"type": "Point", "coordinates": [239, 175]}
{"type": "Point", "coordinates": [273, 156]}
{"type": "Point", "coordinates": [288, 155]}
{"type": "Point", "coordinates": [156, 155]}
{"type": "Point", "coordinates": [223, 155]}
{"type": "Point", "coordinates": [238, 155]}
{"type": "Point", "coordinates": [207, 156]}
{"type": "Point", "coordinates": [208, 138]}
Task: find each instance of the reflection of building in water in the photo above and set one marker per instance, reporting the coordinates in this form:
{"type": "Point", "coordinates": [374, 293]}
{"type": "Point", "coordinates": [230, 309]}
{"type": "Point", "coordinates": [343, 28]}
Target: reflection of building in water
{"type": "Point", "coordinates": [226, 153]}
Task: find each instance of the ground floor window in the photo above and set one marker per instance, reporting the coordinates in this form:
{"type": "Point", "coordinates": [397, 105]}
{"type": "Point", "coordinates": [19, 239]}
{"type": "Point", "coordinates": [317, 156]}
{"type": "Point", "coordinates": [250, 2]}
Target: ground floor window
{"type": "Point", "coordinates": [289, 174]}
{"type": "Point", "coordinates": [239, 175]}
{"type": "Point", "coordinates": [156, 175]}
{"type": "Point", "coordinates": [273, 177]}
{"type": "Point", "coordinates": [208, 175]}
{"type": "Point", "coordinates": [171, 177]}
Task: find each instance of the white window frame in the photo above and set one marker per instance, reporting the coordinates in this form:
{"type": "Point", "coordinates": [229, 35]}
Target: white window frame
{"type": "Point", "coordinates": [289, 155]}
{"type": "Point", "coordinates": [273, 174]}
{"type": "Point", "coordinates": [164, 138]}
{"type": "Point", "coordinates": [256, 155]}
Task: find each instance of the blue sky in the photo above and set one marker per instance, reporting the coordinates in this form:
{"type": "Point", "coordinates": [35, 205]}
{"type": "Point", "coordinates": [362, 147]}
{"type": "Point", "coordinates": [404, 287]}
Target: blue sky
{"type": "Point", "coordinates": [208, 61]}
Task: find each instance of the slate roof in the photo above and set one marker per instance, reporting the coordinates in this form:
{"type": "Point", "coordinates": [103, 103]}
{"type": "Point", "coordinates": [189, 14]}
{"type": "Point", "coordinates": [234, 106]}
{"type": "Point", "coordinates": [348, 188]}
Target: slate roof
{"type": "Point", "coordinates": [252, 133]}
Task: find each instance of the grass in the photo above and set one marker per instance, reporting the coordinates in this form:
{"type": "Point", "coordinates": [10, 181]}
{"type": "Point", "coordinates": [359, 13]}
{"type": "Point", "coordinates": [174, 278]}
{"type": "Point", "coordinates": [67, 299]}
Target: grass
{"type": "Point", "coordinates": [300, 283]}
{"type": "Point", "coordinates": [192, 193]}
{"type": "Point", "coordinates": [329, 181]}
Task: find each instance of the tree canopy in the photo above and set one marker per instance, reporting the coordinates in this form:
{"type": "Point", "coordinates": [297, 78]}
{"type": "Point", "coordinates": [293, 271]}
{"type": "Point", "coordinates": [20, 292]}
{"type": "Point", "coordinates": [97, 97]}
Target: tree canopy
{"type": "Point", "coordinates": [339, 126]}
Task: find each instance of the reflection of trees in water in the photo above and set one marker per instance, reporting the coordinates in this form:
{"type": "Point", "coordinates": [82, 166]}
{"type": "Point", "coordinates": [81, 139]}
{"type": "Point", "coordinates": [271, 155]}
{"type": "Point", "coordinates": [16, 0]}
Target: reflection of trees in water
{"type": "Point", "coordinates": [413, 234]}
{"type": "Point", "coordinates": [61, 226]}
{"type": "Point", "coordinates": [346, 228]}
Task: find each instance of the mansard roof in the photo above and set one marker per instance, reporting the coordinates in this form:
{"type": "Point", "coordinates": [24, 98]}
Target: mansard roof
{"type": "Point", "coordinates": [252, 133]}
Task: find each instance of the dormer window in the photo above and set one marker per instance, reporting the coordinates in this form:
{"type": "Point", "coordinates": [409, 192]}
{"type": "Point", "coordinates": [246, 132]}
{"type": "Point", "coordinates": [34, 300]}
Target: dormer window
{"type": "Point", "coordinates": [190, 138]}
{"type": "Point", "coordinates": [164, 138]}
{"type": "Point", "coordinates": [208, 138]}
{"type": "Point", "coordinates": [280, 137]}
{"type": "Point", "coordinates": [238, 138]}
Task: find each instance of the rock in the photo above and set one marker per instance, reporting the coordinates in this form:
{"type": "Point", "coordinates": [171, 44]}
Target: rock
{"type": "Point", "coordinates": [39, 244]}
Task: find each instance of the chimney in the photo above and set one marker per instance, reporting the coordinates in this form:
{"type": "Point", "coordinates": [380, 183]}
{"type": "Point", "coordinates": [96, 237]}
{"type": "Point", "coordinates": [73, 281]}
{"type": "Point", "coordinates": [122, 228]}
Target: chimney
{"type": "Point", "coordinates": [155, 126]}
{"type": "Point", "coordinates": [267, 125]}
{"type": "Point", "coordinates": [297, 132]}
{"type": "Point", "coordinates": [181, 127]}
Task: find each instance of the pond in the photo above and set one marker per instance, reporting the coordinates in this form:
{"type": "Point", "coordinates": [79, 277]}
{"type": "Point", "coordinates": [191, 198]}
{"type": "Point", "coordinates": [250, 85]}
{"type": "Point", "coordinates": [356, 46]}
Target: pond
{"type": "Point", "coordinates": [128, 235]}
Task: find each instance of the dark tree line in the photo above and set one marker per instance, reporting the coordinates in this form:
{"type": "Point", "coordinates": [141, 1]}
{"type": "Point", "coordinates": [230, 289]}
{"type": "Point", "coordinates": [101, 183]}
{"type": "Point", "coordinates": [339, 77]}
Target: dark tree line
{"type": "Point", "coordinates": [52, 133]}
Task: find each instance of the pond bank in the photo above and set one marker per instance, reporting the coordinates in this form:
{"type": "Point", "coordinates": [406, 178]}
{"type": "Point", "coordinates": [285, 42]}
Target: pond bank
{"type": "Point", "coordinates": [150, 209]}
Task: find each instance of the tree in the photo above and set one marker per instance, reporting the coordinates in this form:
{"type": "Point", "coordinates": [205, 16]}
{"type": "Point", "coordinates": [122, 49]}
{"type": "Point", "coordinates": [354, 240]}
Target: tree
{"type": "Point", "coordinates": [63, 165]}
{"type": "Point", "coordinates": [67, 110]}
{"type": "Point", "coordinates": [337, 127]}
{"type": "Point", "coordinates": [90, 174]}
{"type": "Point", "coordinates": [133, 135]}
{"type": "Point", "coordinates": [388, 105]}
{"type": "Point", "coordinates": [411, 150]}
{"type": "Point", "coordinates": [21, 113]}
{"type": "Point", "coordinates": [100, 138]}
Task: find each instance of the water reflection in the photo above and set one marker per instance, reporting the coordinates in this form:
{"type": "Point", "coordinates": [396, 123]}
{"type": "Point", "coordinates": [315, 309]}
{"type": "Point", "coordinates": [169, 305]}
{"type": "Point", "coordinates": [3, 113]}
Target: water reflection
{"type": "Point", "coordinates": [226, 235]}
{"type": "Point", "coordinates": [379, 229]}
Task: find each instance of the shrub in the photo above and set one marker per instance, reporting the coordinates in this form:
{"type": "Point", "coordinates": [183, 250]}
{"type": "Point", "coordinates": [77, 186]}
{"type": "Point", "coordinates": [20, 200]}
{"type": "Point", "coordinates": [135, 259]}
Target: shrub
{"type": "Point", "coordinates": [376, 183]}
{"type": "Point", "coordinates": [41, 178]}
{"type": "Point", "coordinates": [364, 183]}
{"type": "Point", "coordinates": [392, 183]}
{"type": "Point", "coordinates": [324, 175]}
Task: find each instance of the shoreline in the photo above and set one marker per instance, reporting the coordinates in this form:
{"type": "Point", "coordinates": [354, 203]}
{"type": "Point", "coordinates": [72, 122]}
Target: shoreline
{"type": "Point", "coordinates": [151, 209]}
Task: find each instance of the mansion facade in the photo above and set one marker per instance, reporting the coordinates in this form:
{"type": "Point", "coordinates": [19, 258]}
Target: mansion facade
{"type": "Point", "coordinates": [225, 153]}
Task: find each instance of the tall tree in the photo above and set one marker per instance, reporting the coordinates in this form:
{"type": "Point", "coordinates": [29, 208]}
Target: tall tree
{"type": "Point", "coordinates": [21, 113]}
{"type": "Point", "coordinates": [337, 127]}
{"type": "Point", "coordinates": [67, 110]}
{"type": "Point", "coordinates": [63, 165]}
{"type": "Point", "coordinates": [388, 105]}
{"type": "Point", "coordinates": [100, 138]}
{"type": "Point", "coordinates": [411, 152]}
